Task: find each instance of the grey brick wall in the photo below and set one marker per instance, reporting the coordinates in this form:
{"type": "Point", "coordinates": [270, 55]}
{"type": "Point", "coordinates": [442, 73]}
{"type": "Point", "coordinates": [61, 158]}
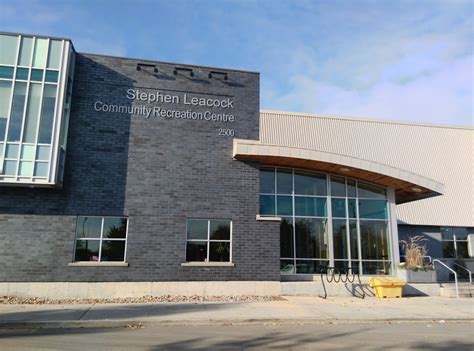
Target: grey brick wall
{"type": "Point", "coordinates": [156, 171]}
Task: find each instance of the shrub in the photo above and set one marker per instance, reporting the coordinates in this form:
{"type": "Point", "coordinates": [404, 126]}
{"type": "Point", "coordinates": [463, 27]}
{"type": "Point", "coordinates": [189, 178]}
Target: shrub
{"type": "Point", "coordinates": [414, 252]}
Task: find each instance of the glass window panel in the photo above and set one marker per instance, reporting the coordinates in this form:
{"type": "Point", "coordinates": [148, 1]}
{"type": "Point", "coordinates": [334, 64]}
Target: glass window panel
{"type": "Point", "coordinates": [284, 181]}
{"type": "Point", "coordinates": [448, 249]}
{"type": "Point", "coordinates": [352, 204]}
{"type": "Point", "coordinates": [41, 53]}
{"type": "Point", "coordinates": [6, 72]}
{"type": "Point", "coordinates": [5, 96]}
{"type": "Point", "coordinates": [338, 186]}
{"type": "Point", "coordinates": [52, 76]}
{"type": "Point", "coordinates": [113, 251]}
{"type": "Point", "coordinates": [286, 238]}
{"type": "Point", "coordinates": [351, 188]}
{"type": "Point", "coordinates": [8, 49]}
{"type": "Point", "coordinates": [88, 227]}
{"type": "Point", "coordinates": [25, 51]}
{"type": "Point", "coordinates": [267, 180]}
{"type": "Point", "coordinates": [32, 113]}
{"type": "Point", "coordinates": [338, 207]}
{"type": "Point", "coordinates": [447, 233]}
{"type": "Point", "coordinates": [307, 183]}
{"type": "Point", "coordinates": [220, 230]}
{"type": "Point", "coordinates": [310, 206]}
{"type": "Point", "coordinates": [339, 234]}
{"type": "Point", "coordinates": [376, 209]}
{"type": "Point", "coordinates": [311, 267]}
{"type": "Point", "coordinates": [196, 251]}
{"type": "Point", "coordinates": [47, 114]}
{"type": "Point", "coordinates": [26, 168]}
{"type": "Point", "coordinates": [41, 169]}
{"type": "Point", "coordinates": [87, 250]}
{"type": "Point", "coordinates": [18, 106]}
{"type": "Point", "coordinates": [22, 73]}
{"type": "Point", "coordinates": [311, 238]}
{"type": "Point", "coordinates": [374, 240]}
{"type": "Point", "coordinates": [284, 206]}
{"type": "Point", "coordinates": [197, 229]}
{"type": "Point", "coordinates": [42, 153]}
{"type": "Point", "coordinates": [36, 75]}
{"type": "Point", "coordinates": [375, 268]}
{"type": "Point", "coordinates": [371, 191]}
{"type": "Point", "coordinates": [461, 249]}
{"type": "Point", "coordinates": [54, 56]}
{"type": "Point", "coordinates": [353, 239]}
{"type": "Point", "coordinates": [287, 266]}
{"type": "Point", "coordinates": [267, 205]}
{"type": "Point", "coordinates": [1, 151]}
{"type": "Point", "coordinates": [3, 127]}
{"type": "Point", "coordinates": [219, 251]}
{"type": "Point", "coordinates": [10, 168]}
{"type": "Point", "coordinates": [461, 233]}
{"type": "Point", "coordinates": [12, 151]}
{"type": "Point", "coordinates": [28, 152]}
{"type": "Point", "coordinates": [115, 228]}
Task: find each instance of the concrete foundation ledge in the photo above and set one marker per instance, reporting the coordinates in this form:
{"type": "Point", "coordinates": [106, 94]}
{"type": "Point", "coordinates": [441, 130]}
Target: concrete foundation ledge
{"type": "Point", "coordinates": [103, 290]}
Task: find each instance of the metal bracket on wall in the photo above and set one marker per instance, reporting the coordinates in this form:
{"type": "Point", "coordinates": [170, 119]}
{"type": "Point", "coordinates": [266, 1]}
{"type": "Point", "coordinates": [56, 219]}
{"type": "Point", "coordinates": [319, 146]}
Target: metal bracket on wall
{"type": "Point", "coordinates": [190, 70]}
{"type": "Point", "coordinates": [218, 73]}
{"type": "Point", "coordinates": [140, 65]}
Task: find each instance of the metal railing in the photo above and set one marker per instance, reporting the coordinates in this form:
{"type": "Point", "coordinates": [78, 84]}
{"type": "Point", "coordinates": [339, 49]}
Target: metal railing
{"type": "Point", "coordinates": [452, 271]}
{"type": "Point", "coordinates": [467, 270]}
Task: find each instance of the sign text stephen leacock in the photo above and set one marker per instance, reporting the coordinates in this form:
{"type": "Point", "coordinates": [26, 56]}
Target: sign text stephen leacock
{"type": "Point", "coordinates": [153, 99]}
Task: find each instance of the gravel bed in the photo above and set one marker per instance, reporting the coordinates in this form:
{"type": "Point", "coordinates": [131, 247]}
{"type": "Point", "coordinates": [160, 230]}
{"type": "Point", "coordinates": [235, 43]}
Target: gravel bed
{"type": "Point", "coordinates": [13, 300]}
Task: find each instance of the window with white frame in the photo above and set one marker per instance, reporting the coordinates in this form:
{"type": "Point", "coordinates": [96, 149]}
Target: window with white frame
{"type": "Point", "coordinates": [100, 239]}
{"type": "Point", "coordinates": [208, 240]}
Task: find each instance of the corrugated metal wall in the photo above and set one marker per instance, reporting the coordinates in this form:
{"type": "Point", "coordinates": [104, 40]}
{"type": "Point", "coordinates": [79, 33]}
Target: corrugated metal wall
{"type": "Point", "coordinates": [442, 153]}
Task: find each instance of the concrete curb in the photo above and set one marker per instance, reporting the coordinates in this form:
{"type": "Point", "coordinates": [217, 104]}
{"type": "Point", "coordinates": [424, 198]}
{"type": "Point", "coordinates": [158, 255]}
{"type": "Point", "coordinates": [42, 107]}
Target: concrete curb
{"type": "Point", "coordinates": [136, 324]}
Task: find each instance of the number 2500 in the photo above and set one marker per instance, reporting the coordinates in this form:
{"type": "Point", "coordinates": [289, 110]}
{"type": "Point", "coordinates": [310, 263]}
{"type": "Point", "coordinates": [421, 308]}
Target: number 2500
{"type": "Point", "coordinates": [226, 132]}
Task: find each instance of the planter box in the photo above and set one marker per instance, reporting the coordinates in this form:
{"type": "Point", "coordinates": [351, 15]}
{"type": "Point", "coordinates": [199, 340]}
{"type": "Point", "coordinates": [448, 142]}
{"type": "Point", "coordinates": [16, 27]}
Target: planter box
{"type": "Point", "coordinates": [417, 276]}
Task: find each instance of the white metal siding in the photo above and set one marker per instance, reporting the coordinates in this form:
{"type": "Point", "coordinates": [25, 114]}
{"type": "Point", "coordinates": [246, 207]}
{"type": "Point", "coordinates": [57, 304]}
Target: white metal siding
{"type": "Point", "coordinates": [442, 153]}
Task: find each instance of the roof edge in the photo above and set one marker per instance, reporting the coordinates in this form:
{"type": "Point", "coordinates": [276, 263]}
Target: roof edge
{"type": "Point", "coordinates": [362, 119]}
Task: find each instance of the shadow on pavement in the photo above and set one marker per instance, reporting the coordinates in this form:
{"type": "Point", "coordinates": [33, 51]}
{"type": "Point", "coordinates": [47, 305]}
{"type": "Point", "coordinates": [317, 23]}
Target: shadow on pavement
{"type": "Point", "coordinates": [109, 312]}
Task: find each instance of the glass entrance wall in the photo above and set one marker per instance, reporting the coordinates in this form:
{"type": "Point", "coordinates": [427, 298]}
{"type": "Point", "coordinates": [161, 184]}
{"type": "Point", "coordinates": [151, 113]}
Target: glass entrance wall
{"type": "Point", "coordinates": [327, 221]}
{"type": "Point", "coordinates": [34, 107]}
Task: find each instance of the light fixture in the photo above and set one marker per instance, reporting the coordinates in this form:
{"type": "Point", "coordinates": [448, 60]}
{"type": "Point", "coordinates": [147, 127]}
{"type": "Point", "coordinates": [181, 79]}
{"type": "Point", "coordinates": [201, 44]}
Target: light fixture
{"type": "Point", "coordinates": [344, 169]}
{"type": "Point", "coordinates": [416, 190]}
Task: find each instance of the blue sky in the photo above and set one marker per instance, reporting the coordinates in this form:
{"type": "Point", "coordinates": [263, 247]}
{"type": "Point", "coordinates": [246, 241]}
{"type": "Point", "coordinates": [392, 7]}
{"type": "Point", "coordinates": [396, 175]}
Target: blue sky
{"type": "Point", "coordinates": [398, 60]}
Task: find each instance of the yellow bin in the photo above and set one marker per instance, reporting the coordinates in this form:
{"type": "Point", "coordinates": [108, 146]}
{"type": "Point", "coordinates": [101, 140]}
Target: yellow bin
{"type": "Point", "coordinates": [387, 286]}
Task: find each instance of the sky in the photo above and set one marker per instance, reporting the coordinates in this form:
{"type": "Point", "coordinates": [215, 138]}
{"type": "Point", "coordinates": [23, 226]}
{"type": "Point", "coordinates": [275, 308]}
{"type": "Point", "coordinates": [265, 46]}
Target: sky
{"type": "Point", "coordinates": [397, 60]}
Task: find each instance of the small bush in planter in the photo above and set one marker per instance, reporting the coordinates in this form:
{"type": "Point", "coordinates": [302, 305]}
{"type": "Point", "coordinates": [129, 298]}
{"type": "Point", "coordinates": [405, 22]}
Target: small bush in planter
{"type": "Point", "coordinates": [415, 253]}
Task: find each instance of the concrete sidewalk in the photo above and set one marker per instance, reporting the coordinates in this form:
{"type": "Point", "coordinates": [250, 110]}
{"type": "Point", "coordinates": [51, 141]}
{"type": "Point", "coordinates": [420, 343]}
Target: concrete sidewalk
{"type": "Point", "coordinates": [289, 309]}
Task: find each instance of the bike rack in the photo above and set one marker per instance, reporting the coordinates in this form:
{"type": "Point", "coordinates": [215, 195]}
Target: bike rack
{"type": "Point", "coordinates": [332, 274]}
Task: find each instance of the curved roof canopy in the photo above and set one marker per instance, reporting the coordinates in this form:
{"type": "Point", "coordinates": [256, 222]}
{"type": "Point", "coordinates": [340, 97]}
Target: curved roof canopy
{"type": "Point", "coordinates": [408, 186]}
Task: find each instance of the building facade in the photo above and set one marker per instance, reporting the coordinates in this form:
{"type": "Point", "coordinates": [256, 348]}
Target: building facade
{"type": "Point", "coordinates": [116, 170]}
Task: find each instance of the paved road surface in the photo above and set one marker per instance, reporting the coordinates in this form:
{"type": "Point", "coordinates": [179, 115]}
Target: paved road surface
{"type": "Point", "coordinates": [271, 336]}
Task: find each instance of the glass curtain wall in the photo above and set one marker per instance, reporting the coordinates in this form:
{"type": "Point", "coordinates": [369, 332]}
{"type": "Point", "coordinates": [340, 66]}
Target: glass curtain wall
{"type": "Point", "coordinates": [327, 221]}
{"type": "Point", "coordinates": [31, 70]}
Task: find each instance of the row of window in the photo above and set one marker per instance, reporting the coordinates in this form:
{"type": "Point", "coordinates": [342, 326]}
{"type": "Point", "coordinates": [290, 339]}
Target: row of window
{"type": "Point", "coordinates": [28, 51]}
{"type": "Point", "coordinates": [304, 243]}
{"type": "Point", "coordinates": [104, 239]}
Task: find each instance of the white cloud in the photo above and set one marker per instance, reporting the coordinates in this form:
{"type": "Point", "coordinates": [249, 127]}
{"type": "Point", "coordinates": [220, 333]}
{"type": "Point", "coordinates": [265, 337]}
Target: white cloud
{"type": "Point", "coordinates": [444, 96]}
